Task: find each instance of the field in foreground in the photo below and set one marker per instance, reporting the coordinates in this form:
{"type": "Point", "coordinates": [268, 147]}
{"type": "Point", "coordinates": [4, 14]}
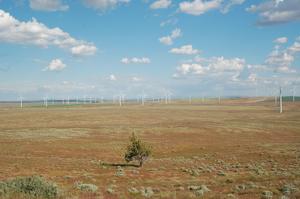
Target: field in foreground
{"type": "Point", "coordinates": [239, 149]}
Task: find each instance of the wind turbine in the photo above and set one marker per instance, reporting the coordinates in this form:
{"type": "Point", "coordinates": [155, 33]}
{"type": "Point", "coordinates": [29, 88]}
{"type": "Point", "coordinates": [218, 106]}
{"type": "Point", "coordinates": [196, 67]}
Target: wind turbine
{"type": "Point", "coordinates": [293, 93]}
{"type": "Point", "coordinates": [120, 100]}
{"type": "Point", "coordinates": [280, 98]}
{"type": "Point", "coordinates": [21, 101]}
{"type": "Point", "coordinates": [46, 101]}
{"type": "Point", "coordinates": [143, 99]}
{"type": "Point", "coordinates": [275, 97]}
{"type": "Point", "coordinates": [166, 98]}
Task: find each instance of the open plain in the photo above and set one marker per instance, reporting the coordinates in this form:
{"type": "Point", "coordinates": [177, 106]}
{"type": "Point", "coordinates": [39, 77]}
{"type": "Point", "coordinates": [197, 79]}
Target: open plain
{"type": "Point", "coordinates": [241, 148]}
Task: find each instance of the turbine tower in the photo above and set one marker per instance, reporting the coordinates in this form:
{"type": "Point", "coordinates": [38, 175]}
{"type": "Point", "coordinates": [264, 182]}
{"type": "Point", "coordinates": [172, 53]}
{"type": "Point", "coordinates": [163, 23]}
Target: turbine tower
{"type": "Point", "coordinates": [21, 101]}
{"type": "Point", "coordinates": [143, 99]}
{"type": "Point", "coordinates": [294, 94]}
{"type": "Point", "coordinates": [46, 101]}
{"type": "Point", "coordinates": [280, 98]}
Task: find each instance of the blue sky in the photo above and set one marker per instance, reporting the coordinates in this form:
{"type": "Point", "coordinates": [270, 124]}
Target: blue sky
{"type": "Point", "coordinates": [60, 48]}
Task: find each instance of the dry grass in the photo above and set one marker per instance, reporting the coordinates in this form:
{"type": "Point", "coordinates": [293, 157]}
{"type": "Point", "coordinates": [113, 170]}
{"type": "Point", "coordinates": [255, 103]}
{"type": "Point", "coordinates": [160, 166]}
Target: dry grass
{"type": "Point", "coordinates": [222, 146]}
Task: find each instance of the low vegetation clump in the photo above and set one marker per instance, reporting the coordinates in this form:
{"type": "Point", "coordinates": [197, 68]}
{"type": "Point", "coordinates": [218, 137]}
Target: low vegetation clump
{"type": "Point", "coordinates": [199, 190]}
{"type": "Point", "coordinates": [33, 186]}
{"type": "Point", "coordinates": [267, 195]}
{"type": "Point", "coordinates": [137, 150]}
{"type": "Point", "coordinates": [86, 187]}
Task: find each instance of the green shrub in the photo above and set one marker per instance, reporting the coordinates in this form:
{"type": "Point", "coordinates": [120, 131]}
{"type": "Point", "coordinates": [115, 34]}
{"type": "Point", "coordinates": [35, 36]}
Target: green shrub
{"type": "Point", "coordinates": [137, 150]}
{"type": "Point", "coordinates": [34, 186]}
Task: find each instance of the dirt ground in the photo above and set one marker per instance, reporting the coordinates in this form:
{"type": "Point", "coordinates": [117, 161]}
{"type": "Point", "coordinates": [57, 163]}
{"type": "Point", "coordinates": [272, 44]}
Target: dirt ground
{"type": "Point", "coordinates": [237, 149]}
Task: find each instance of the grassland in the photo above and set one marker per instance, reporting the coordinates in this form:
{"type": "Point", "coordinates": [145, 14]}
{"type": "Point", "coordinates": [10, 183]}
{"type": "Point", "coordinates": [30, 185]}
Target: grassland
{"type": "Point", "coordinates": [240, 148]}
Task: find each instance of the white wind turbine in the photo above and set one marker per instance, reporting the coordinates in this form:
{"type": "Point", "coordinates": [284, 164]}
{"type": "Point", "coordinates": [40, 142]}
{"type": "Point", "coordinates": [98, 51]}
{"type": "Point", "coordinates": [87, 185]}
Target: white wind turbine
{"type": "Point", "coordinates": [280, 98]}
{"type": "Point", "coordinates": [294, 93]}
{"type": "Point", "coordinates": [143, 98]}
{"type": "Point", "coordinates": [21, 101]}
{"type": "Point", "coordinates": [120, 100]}
{"type": "Point", "coordinates": [46, 101]}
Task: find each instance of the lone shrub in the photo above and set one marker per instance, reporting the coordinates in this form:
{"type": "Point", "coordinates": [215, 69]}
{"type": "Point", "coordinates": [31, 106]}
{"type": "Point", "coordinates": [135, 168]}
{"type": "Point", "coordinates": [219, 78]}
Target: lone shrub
{"type": "Point", "coordinates": [137, 150]}
{"type": "Point", "coordinates": [34, 186]}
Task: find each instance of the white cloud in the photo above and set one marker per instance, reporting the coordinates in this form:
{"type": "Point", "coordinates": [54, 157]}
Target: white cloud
{"type": "Point", "coordinates": [136, 79]}
{"type": "Point", "coordinates": [168, 40]}
{"type": "Point", "coordinates": [212, 67]}
{"type": "Point", "coordinates": [221, 64]}
{"type": "Point", "coordinates": [112, 77]}
{"type": "Point", "coordinates": [83, 50]}
{"type": "Point", "coordinates": [104, 4]}
{"type": "Point", "coordinates": [171, 21]}
{"type": "Point", "coordinates": [160, 4]}
{"type": "Point", "coordinates": [55, 65]}
{"type": "Point", "coordinates": [35, 33]}
{"type": "Point", "coordinates": [136, 60]}
{"type": "Point", "coordinates": [282, 59]}
{"type": "Point", "coordinates": [199, 7]}
{"type": "Point", "coordinates": [48, 5]}
{"type": "Point", "coordinates": [193, 68]}
{"type": "Point", "coordinates": [281, 40]}
{"type": "Point", "coordinates": [252, 77]}
{"type": "Point", "coordinates": [185, 50]}
{"type": "Point", "coordinates": [275, 12]}
{"type": "Point", "coordinates": [294, 48]}
{"type": "Point", "coordinates": [231, 3]}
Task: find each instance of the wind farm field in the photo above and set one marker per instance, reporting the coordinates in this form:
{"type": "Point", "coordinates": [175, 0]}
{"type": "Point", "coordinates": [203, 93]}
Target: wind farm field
{"type": "Point", "coordinates": [241, 148]}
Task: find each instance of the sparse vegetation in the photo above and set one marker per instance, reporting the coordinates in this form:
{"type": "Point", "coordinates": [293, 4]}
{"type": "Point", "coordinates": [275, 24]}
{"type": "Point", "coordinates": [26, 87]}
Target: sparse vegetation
{"type": "Point", "coordinates": [193, 145]}
{"type": "Point", "coordinates": [86, 187]}
{"type": "Point", "coordinates": [137, 150]}
{"type": "Point", "coordinates": [33, 186]}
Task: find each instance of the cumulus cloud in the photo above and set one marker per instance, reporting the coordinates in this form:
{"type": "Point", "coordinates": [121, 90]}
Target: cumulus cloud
{"type": "Point", "coordinates": [103, 5]}
{"type": "Point", "coordinates": [112, 77]}
{"type": "Point", "coordinates": [231, 3]}
{"type": "Point", "coordinates": [83, 50]}
{"type": "Point", "coordinates": [55, 65]}
{"type": "Point", "coordinates": [221, 64]}
{"type": "Point", "coordinates": [160, 4]}
{"type": "Point", "coordinates": [199, 7]}
{"type": "Point", "coordinates": [193, 68]}
{"type": "Point", "coordinates": [168, 40]}
{"type": "Point", "coordinates": [136, 60]}
{"type": "Point", "coordinates": [275, 12]}
{"type": "Point", "coordinates": [185, 50]}
{"type": "Point", "coordinates": [252, 77]}
{"type": "Point", "coordinates": [136, 79]}
{"type": "Point", "coordinates": [281, 59]}
{"type": "Point", "coordinates": [281, 40]}
{"type": "Point", "coordinates": [36, 33]}
{"type": "Point", "coordinates": [214, 66]}
{"type": "Point", "coordinates": [48, 5]}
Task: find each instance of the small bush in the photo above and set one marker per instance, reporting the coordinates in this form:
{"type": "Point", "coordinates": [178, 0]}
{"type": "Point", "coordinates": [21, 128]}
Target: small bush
{"type": "Point", "coordinates": [34, 186]}
{"type": "Point", "coordinates": [137, 150]}
{"type": "Point", "coordinates": [86, 187]}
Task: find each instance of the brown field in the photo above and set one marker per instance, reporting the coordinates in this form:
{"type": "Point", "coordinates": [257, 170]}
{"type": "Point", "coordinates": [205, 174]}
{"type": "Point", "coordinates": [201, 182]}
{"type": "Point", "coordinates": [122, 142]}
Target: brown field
{"type": "Point", "coordinates": [238, 149]}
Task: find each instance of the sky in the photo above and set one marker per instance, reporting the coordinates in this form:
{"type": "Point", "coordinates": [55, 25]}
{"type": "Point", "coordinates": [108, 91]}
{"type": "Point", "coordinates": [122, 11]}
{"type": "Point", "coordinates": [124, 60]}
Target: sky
{"type": "Point", "coordinates": [106, 48]}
